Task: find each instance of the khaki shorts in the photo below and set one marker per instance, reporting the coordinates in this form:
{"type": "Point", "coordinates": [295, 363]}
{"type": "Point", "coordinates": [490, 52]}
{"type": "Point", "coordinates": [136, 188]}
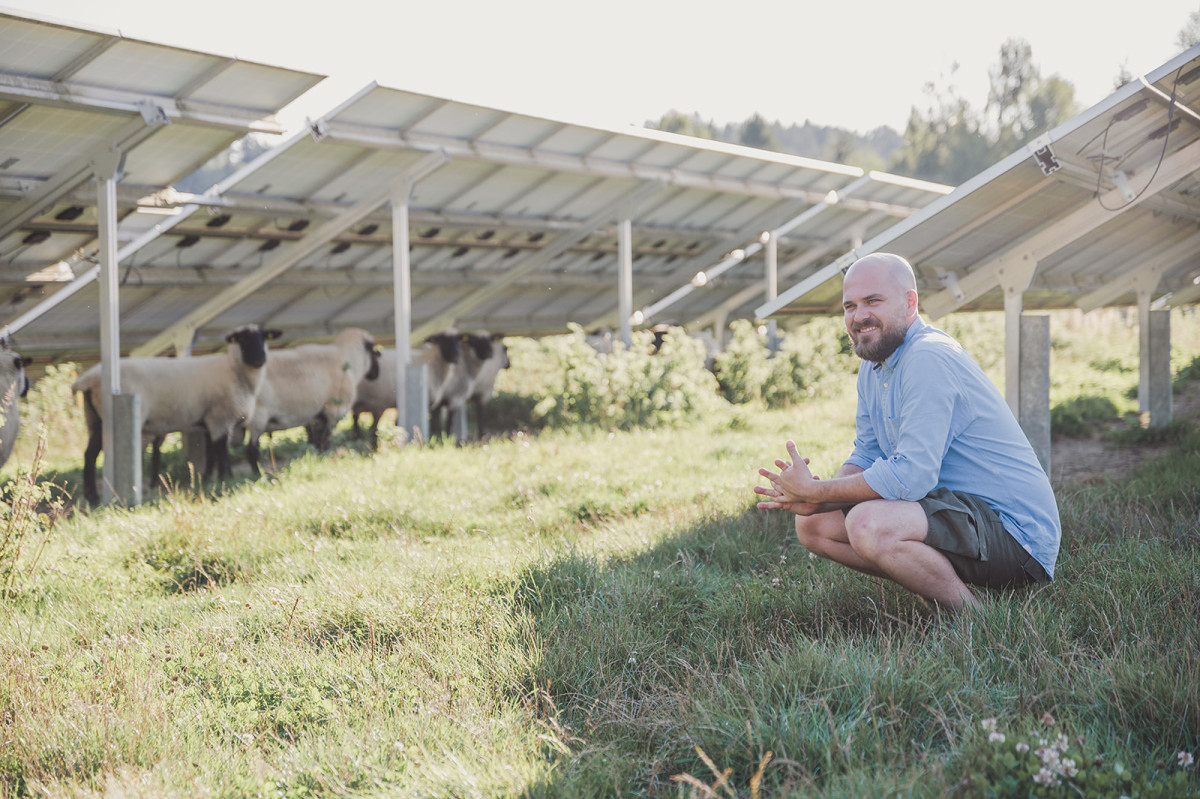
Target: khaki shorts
{"type": "Point", "coordinates": [970, 534]}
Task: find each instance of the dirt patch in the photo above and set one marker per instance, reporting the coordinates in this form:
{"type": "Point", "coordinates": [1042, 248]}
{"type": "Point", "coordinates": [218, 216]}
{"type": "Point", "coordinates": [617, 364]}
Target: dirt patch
{"type": "Point", "coordinates": [1096, 459]}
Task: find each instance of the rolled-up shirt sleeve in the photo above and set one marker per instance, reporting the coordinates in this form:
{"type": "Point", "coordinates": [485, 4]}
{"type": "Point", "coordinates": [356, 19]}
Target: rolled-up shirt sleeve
{"type": "Point", "coordinates": [917, 416]}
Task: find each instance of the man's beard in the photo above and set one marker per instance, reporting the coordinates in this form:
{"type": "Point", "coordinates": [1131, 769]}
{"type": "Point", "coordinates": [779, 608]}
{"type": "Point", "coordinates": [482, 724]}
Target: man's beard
{"type": "Point", "coordinates": [886, 342]}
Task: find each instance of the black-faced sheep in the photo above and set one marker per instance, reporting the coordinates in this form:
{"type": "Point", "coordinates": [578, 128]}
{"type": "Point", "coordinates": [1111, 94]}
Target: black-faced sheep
{"type": "Point", "coordinates": [213, 393]}
{"type": "Point", "coordinates": [478, 349]}
{"type": "Point", "coordinates": [312, 386]}
{"type": "Point", "coordinates": [440, 353]}
{"type": "Point", "coordinates": [484, 387]}
{"type": "Point", "coordinates": [13, 385]}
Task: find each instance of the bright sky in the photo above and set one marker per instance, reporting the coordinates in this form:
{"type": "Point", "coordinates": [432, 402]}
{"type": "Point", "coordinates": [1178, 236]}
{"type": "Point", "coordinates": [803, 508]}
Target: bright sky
{"type": "Point", "coordinates": [851, 64]}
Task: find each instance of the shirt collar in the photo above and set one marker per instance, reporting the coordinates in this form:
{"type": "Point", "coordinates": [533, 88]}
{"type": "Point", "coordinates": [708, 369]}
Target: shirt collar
{"type": "Point", "coordinates": [914, 328]}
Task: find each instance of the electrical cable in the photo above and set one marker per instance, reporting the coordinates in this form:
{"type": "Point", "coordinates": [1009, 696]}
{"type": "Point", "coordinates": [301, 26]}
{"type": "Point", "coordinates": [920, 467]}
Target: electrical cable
{"type": "Point", "coordinates": [1161, 155]}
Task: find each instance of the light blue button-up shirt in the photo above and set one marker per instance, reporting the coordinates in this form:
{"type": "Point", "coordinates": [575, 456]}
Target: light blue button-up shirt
{"type": "Point", "coordinates": [928, 417]}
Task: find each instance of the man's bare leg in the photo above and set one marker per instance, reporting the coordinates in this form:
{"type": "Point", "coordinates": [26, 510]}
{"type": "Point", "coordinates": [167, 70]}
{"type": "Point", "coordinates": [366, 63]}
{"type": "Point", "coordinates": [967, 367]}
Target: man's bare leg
{"type": "Point", "coordinates": [886, 538]}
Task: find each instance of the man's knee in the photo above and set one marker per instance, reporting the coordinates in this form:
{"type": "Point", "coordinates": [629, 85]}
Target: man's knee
{"type": "Point", "coordinates": [873, 528]}
{"type": "Point", "coordinates": [814, 532]}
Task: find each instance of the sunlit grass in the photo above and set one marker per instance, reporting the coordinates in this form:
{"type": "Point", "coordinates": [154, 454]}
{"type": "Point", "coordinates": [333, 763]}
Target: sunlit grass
{"type": "Point", "coordinates": [578, 614]}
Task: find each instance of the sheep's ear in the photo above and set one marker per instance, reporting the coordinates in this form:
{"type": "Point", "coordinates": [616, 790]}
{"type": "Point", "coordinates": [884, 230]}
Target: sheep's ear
{"type": "Point", "coordinates": [25, 360]}
{"type": "Point", "coordinates": [273, 333]}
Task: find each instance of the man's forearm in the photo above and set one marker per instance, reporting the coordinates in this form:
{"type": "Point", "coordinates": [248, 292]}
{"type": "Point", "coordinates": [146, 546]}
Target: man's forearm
{"type": "Point", "coordinates": [847, 487]}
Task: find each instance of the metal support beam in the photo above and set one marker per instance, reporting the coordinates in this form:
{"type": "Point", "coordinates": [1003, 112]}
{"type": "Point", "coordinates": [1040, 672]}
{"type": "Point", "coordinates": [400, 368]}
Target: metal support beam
{"type": "Point", "coordinates": [1033, 411]}
{"type": "Point", "coordinates": [1015, 275]}
{"type": "Point", "coordinates": [287, 259]}
{"type": "Point", "coordinates": [1176, 299]}
{"type": "Point", "coordinates": [1154, 358]}
{"type": "Point", "coordinates": [771, 286]}
{"type": "Point", "coordinates": [107, 167]}
{"type": "Point", "coordinates": [715, 251]}
{"type": "Point", "coordinates": [412, 392]}
{"type": "Point", "coordinates": [148, 236]}
{"type": "Point", "coordinates": [1070, 228]}
{"type": "Point", "coordinates": [155, 109]}
{"type": "Point", "coordinates": [475, 150]}
{"type": "Point", "coordinates": [625, 281]}
{"type": "Point", "coordinates": [126, 454]}
{"type": "Point", "coordinates": [71, 176]}
{"type": "Point", "coordinates": [1154, 267]}
{"type": "Point", "coordinates": [830, 199]}
{"type": "Point", "coordinates": [561, 244]}
{"type": "Point", "coordinates": [789, 269]}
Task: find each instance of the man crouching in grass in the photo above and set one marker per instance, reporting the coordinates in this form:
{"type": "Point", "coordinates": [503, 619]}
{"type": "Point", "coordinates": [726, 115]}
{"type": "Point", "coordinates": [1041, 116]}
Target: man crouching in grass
{"type": "Point", "coordinates": [943, 489]}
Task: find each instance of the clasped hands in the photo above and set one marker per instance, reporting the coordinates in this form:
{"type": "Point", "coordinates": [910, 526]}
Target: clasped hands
{"type": "Point", "coordinates": [790, 489]}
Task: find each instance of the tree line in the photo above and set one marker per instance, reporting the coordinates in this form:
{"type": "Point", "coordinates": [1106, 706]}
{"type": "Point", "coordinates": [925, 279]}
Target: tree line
{"type": "Point", "coordinates": [946, 140]}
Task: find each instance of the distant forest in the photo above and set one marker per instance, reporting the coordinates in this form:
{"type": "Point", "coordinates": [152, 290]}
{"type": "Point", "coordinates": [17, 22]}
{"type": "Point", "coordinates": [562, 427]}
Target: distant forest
{"type": "Point", "coordinates": [946, 140]}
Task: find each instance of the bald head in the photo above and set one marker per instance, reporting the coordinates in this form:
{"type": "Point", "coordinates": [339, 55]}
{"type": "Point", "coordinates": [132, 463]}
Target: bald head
{"type": "Point", "coordinates": [879, 300]}
{"type": "Point", "coordinates": [884, 271]}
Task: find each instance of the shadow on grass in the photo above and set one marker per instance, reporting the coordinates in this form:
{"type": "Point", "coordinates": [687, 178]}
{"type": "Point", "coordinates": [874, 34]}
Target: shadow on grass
{"type": "Point", "coordinates": [726, 636]}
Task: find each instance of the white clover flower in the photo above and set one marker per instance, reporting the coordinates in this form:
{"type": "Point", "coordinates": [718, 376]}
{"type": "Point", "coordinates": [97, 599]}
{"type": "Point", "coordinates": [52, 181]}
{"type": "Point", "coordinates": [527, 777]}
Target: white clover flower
{"type": "Point", "coordinates": [1047, 720]}
{"type": "Point", "coordinates": [996, 737]}
{"type": "Point", "coordinates": [988, 724]}
{"type": "Point", "coordinates": [1185, 759]}
{"type": "Point", "coordinates": [1046, 777]}
{"type": "Point", "coordinates": [1048, 756]}
{"type": "Point", "coordinates": [1067, 768]}
{"type": "Point", "coordinates": [1022, 747]}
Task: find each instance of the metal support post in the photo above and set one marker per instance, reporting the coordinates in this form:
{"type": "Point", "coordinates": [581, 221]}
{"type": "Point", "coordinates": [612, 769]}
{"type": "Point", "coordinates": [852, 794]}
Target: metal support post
{"type": "Point", "coordinates": [625, 281]}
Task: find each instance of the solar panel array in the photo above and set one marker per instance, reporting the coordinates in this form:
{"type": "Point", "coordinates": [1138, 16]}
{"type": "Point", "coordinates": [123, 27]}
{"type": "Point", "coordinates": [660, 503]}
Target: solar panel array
{"type": "Point", "coordinates": [513, 219]}
{"type": "Point", "coordinates": [1101, 209]}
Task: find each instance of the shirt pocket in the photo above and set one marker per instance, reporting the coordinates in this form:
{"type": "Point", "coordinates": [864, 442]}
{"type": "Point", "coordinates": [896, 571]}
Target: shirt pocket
{"type": "Point", "coordinates": [891, 428]}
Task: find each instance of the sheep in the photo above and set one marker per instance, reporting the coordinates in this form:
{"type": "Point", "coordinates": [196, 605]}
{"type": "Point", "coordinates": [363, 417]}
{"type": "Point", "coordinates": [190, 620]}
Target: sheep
{"type": "Point", "coordinates": [440, 353]}
{"type": "Point", "coordinates": [458, 389]}
{"type": "Point", "coordinates": [13, 384]}
{"type": "Point", "coordinates": [484, 386]}
{"type": "Point", "coordinates": [214, 393]}
{"type": "Point", "coordinates": [312, 385]}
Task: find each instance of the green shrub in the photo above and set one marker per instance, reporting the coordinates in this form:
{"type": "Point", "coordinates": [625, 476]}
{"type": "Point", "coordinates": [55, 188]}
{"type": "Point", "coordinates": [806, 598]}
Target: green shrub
{"type": "Point", "coordinates": [742, 369]}
{"type": "Point", "coordinates": [1189, 373]}
{"type": "Point", "coordinates": [807, 355]}
{"type": "Point", "coordinates": [30, 509]}
{"type": "Point", "coordinates": [51, 402]}
{"type": "Point", "coordinates": [627, 388]}
{"type": "Point", "coordinates": [1080, 416]}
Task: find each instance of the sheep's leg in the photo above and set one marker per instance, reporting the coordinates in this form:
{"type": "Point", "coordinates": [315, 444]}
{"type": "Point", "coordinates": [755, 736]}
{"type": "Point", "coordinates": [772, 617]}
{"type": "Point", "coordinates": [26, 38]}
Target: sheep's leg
{"type": "Point", "coordinates": [156, 459]}
{"type": "Point", "coordinates": [319, 432]}
{"type": "Point", "coordinates": [355, 431]}
{"type": "Point", "coordinates": [455, 418]}
{"type": "Point", "coordinates": [252, 454]}
{"type": "Point", "coordinates": [477, 408]}
{"type": "Point", "coordinates": [216, 455]}
{"type": "Point", "coordinates": [435, 420]}
{"type": "Point", "coordinates": [374, 436]}
{"type": "Point", "coordinates": [210, 455]}
{"type": "Point", "coordinates": [95, 442]}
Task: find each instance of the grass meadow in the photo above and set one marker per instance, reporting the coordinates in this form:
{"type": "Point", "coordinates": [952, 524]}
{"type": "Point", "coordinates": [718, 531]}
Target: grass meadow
{"type": "Point", "coordinates": [591, 612]}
